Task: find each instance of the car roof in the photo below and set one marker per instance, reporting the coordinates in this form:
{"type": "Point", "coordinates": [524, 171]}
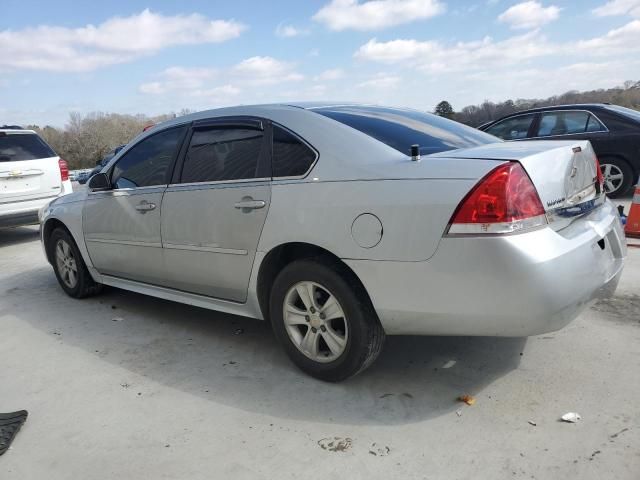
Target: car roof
{"type": "Point", "coordinates": [14, 131]}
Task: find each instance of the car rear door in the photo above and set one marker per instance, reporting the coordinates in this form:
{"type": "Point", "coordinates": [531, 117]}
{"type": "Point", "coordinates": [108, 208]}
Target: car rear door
{"type": "Point", "coordinates": [29, 168]}
{"type": "Point", "coordinates": [122, 225]}
{"type": "Point", "coordinates": [214, 211]}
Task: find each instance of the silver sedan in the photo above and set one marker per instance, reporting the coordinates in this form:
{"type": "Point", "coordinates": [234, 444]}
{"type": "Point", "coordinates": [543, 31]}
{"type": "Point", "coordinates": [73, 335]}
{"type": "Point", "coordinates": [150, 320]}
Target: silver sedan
{"type": "Point", "coordinates": [342, 224]}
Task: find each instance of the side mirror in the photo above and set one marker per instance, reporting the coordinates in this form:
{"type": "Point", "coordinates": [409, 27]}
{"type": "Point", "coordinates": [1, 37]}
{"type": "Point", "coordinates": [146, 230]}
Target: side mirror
{"type": "Point", "coordinates": [100, 182]}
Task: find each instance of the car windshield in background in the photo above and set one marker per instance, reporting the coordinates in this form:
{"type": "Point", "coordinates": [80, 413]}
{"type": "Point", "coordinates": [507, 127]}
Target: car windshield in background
{"type": "Point", "coordinates": [23, 146]}
{"type": "Point", "coordinates": [627, 112]}
{"type": "Point", "coordinates": [401, 128]}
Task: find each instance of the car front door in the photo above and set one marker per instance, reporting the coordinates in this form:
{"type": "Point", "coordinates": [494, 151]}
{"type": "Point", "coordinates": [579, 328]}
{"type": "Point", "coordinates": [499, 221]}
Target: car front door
{"type": "Point", "coordinates": [214, 211]}
{"type": "Point", "coordinates": [122, 225]}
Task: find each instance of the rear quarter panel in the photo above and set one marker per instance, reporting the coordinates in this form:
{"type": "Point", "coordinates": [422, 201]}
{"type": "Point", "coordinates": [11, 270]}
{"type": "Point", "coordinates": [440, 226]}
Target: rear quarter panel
{"type": "Point", "coordinates": [414, 214]}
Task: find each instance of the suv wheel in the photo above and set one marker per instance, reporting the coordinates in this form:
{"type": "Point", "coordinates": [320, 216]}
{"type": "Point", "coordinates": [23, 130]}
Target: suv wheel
{"type": "Point", "coordinates": [70, 269]}
{"type": "Point", "coordinates": [327, 327]}
{"type": "Point", "coordinates": [618, 176]}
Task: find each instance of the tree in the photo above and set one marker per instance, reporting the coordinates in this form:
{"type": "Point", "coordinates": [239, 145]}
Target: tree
{"type": "Point", "coordinates": [444, 109]}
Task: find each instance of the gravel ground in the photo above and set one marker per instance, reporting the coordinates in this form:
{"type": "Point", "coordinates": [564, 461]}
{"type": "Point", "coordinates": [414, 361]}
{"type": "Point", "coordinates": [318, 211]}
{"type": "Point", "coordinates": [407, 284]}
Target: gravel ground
{"type": "Point", "coordinates": [128, 386]}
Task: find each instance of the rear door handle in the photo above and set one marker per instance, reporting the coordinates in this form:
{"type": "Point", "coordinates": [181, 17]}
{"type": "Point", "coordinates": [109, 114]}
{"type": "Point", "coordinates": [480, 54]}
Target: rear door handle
{"type": "Point", "coordinates": [144, 207]}
{"type": "Point", "coordinates": [250, 204]}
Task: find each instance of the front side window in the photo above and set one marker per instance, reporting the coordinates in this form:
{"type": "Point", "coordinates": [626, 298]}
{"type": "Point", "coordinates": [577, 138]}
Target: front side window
{"type": "Point", "coordinates": [290, 157]}
{"type": "Point", "coordinates": [219, 154]}
{"type": "Point", "coordinates": [512, 128]}
{"type": "Point", "coordinates": [147, 163]}
{"type": "Point", "coordinates": [563, 123]}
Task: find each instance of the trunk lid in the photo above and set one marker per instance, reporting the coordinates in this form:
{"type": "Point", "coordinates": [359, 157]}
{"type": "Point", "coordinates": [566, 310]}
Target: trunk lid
{"type": "Point", "coordinates": [563, 172]}
{"type": "Point", "coordinates": [29, 168]}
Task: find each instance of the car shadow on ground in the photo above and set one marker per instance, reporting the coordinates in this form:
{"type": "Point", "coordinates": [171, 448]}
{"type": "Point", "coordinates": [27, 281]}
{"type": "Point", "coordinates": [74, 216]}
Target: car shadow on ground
{"type": "Point", "coordinates": [236, 361]}
{"type": "Point", "coordinates": [13, 236]}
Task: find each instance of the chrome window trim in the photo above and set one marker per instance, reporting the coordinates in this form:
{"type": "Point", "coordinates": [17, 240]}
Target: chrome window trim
{"type": "Point", "coordinates": [304, 141]}
{"type": "Point", "coordinates": [606, 129]}
{"type": "Point", "coordinates": [230, 183]}
{"type": "Point", "coordinates": [128, 190]}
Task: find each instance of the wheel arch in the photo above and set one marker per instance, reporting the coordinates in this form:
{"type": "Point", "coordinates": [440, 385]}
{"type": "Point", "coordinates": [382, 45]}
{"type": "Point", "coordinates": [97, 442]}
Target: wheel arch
{"type": "Point", "coordinates": [47, 229]}
{"type": "Point", "coordinates": [284, 254]}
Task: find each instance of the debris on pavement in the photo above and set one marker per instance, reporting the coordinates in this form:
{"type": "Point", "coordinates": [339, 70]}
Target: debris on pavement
{"type": "Point", "coordinates": [379, 451]}
{"type": "Point", "coordinates": [615, 435]}
{"type": "Point", "coordinates": [335, 444]}
{"type": "Point", "coordinates": [593, 455]}
{"type": "Point", "coordinates": [449, 364]}
{"type": "Point", "coordinates": [239, 331]}
{"type": "Point", "coordinates": [532, 423]}
{"type": "Point", "coordinates": [459, 413]}
{"type": "Point", "coordinates": [117, 319]}
{"type": "Point", "coordinates": [468, 399]}
{"type": "Point", "coordinates": [10, 423]}
{"type": "Point", "coordinates": [571, 417]}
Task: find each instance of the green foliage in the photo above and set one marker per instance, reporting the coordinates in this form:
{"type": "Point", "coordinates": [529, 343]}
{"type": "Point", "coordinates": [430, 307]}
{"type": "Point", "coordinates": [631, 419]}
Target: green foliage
{"type": "Point", "coordinates": [444, 109]}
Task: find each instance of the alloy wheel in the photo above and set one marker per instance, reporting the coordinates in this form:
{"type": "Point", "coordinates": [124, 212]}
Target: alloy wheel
{"type": "Point", "coordinates": [315, 322]}
{"type": "Point", "coordinates": [66, 263]}
{"type": "Point", "coordinates": [613, 177]}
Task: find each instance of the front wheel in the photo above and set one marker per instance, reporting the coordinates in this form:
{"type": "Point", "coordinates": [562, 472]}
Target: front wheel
{"type": "Point", "coordinates": [325, 323]}
{"type": "Point", "coordinates": [618, 176]}
{"type": "Point", "coordinates": [70, 269]}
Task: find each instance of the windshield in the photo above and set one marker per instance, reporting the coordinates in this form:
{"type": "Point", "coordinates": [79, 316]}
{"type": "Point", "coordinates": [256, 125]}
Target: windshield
{"type": "Point", "coordinates": [23, 146]}
{"type": "Point", "coordinates": [401, 128]}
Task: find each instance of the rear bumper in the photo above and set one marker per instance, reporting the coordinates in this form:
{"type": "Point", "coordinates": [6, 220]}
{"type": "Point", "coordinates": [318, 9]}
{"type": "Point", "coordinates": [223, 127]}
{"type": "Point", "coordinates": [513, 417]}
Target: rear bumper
{"type": "Point", "coordinates": [25, 212]}
{"type": "Point", "coordinates": [516, 285]}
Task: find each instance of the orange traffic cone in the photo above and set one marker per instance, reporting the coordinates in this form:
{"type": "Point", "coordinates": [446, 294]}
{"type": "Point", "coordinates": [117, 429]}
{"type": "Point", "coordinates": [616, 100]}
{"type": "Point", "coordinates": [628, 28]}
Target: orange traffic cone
{"type": "Point", "coordinates": [632, 228]}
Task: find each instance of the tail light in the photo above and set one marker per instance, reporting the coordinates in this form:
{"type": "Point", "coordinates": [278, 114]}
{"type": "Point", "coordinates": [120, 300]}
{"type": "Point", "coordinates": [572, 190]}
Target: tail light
{"type": "Point", "coordinates": [504, 201]}
{"type": "Point", "coordinates": [64, 170]}
{"type": "Point", "coordinates": [599, 178]}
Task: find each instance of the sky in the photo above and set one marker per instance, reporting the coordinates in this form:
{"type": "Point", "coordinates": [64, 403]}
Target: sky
{"type": "Point", "coordinates": [137, 56]}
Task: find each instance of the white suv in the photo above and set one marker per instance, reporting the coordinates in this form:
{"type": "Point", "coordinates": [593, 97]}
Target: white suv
{"type": "Point", "coordinates": [31, 175]}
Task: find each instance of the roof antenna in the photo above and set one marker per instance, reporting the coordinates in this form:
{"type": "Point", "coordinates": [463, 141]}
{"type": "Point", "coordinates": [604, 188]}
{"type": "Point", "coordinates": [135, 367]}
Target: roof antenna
{"type": "Point", "coordinates": [415, 152]}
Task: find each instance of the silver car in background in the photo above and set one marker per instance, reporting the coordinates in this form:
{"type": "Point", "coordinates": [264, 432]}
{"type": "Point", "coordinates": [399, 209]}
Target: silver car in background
{"type": "Point", "coordinates": [342, 224]}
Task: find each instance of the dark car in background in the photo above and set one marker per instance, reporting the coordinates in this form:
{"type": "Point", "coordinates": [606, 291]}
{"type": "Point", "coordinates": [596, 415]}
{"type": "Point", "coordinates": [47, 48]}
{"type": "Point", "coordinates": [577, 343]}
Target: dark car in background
{"type": "Point", "coordinates": [613, 131]}
{"type": "Point", "coordinates": [85, 176]}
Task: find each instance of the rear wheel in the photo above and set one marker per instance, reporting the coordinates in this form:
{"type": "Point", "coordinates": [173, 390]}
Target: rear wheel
{"type": "Point", "coordinates": [618, 176]}
{"type": "Point", "coordinates": [70, 269]}
{"type": "Point", "coordinates": [327, 326]}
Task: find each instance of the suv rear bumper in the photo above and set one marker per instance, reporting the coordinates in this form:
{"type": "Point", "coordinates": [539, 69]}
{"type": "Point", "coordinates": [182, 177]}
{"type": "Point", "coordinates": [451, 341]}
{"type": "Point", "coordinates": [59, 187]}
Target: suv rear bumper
{"type": "Point", "coordinates": [513, 285]}
{"type": "Point", "coordinates": [25, 212]}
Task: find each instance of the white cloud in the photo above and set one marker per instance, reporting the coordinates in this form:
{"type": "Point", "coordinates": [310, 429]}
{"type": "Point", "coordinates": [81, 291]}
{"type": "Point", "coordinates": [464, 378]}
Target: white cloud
{"type": "Point", "coordinates": [381, 80]}
{"type": "Point", "coordinates": [289, 31]}
{"type": "Point", "coordinates": [619, 7]}
{"type": "Point", "coordinates": [375, 14]}
{"type": "Point", "coordinates": [117, 40]}
{"type": "Point", "coordinates": [529, 14]}
{"type": "Point", "coordinates": [625, 39]}
{"type": "Point", "coordinates": [205, 82]}
{"type": "Point", "coordinates": [330, 75]}
{"type": "Point", "coordinates": [434, 57]}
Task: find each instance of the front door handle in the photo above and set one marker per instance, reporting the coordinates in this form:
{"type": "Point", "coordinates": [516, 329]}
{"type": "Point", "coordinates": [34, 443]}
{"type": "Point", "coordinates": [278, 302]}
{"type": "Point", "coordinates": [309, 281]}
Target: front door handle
{"type": "Point", "coordinates": [250, 204]}
{"type": "Point", "coordinates": [144, 207]}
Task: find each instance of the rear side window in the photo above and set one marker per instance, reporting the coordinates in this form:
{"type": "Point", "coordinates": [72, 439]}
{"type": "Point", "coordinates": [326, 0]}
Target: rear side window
{"type": "Point", "coordinates": [23, 146]}
{"type": "Point", "coordinates": [147, 163]}
{"type": "Point", "coordinates": [401, 128]}
{"type": "Point", "coordinates": [291, 157]}
{"type": "Point", "coordinates": [566, 123]}
{"type": "Point", "coordinates": [220, 154]}
{"type": "Point", "coordinates": [512, 128]}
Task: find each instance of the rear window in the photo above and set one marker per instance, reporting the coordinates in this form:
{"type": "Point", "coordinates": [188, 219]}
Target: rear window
{"type": "Point", "coordinates": [23, 146]}
{"type": "Point", "coordinates": [401, 128]}
{"type": "Point", "coordinates": [627, 112]}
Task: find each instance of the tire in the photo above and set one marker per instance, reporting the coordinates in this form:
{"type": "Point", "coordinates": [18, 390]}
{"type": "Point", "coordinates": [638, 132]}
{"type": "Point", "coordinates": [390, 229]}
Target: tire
{"type": "Point", "coordinates": [617, 166]}
{"type": "Point", "coordinates": [352, 328]}
{"type": "Point", "coordinates": [65, 256]}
